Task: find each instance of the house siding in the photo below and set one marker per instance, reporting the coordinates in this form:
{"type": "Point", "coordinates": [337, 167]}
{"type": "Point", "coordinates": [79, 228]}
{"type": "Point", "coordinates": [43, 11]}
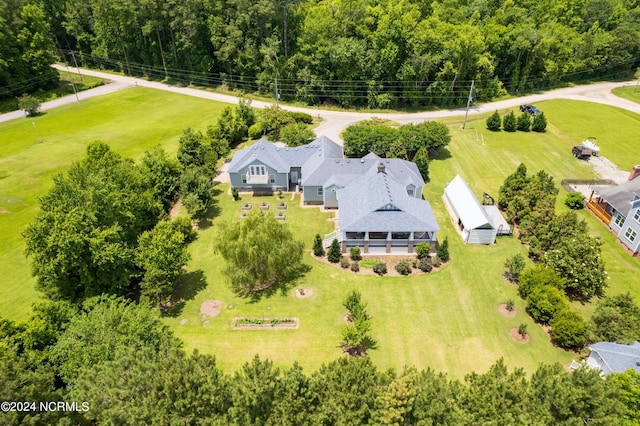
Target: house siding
{"type": "Point", "coordinates": [634, 225]}
{"type": "Point", "coordinates": [481, 236]}
{"type": "Point", "coordinates": [331, 197]}
{"type": "Point", "coordinates": [280, 179]}
{"type": "Point", "coordinates": [310, 195]}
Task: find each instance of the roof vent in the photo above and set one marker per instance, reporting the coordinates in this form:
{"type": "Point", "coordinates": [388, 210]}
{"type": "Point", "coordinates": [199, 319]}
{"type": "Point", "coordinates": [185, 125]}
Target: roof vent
{"type": "Point", "coordinates": [337, 161]}
{"type": "Point", "coordinates": [296, 149]}
{"type": "Point", "coordinates": [362, 160]}
{"type": "Point", "coordinates": [348, 161]}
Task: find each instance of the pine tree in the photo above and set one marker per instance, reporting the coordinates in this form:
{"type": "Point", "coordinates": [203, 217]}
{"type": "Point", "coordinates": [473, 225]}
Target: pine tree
{"type": "Point", "coordinates": [318, 249]}
{"type": "Point", "coordinates": [335, 253]}
{"type": "Point", "coordinates": [494, 122]}
{"type": "Point", "coordinates": [539, 123]}
{"type": "Point", "coordinates": [524, 122]}
{"type": "Point", "coordinates": [443, 250]}
{"type": "Point", "coordinates": [509, 122]}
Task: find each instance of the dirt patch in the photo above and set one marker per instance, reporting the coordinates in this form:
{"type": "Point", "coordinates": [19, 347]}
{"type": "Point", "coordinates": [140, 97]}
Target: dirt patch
{"type": "Point", "coordinates": [547, 329]}
{"type": "Point", "coordinates": [303, 293]}
{"type": "Point", "coordinates": [505, 312]}
{"type": "Point", "coordinates": [210, 308]}
{"type": "Point", "coordinates": [518, 337]}
{"type": "Point", "coordinates": [175, 209]}
{"type": "Point", "coordinates": [206, 323]}
{"type": "Point", "coordinates": [347, 319]}
{"type": "Point", "coordinates": [3, 211]}
{"type": "Point", "coordinates": [183, 321]}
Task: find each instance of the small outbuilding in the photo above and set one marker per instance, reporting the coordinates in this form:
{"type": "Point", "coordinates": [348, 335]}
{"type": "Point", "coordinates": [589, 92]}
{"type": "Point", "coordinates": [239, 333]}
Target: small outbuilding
{"type": "Point", "coordinates": [474, 224]}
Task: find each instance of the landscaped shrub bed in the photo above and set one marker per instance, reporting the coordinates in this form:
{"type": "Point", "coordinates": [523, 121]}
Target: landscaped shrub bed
{"type": "Point", "coordinates": [265, 322]}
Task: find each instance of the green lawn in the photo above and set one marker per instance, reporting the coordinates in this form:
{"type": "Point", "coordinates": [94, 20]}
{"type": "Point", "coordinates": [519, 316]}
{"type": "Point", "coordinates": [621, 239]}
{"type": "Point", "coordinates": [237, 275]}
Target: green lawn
{"type": "Point", "coordinates": [447, 320]}
{"type": "Point", "coordinates": [631, 92]}
{"type": "Point", "coordinates": [131, 121]}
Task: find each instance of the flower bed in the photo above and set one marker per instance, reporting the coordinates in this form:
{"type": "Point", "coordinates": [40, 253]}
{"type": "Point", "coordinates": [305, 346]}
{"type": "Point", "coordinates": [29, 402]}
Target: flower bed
{"type": "Point", "coordinates": [246, 206]}
{"type": "Point", "coordinates": [269, 323]}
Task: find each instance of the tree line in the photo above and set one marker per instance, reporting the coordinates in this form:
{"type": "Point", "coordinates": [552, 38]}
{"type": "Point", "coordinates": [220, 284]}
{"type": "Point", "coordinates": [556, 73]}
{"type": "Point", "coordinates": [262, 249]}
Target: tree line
{"type": "Point", "coordinates": [118, 357]}
{"type": "Point", "coordinates": [375, 53]}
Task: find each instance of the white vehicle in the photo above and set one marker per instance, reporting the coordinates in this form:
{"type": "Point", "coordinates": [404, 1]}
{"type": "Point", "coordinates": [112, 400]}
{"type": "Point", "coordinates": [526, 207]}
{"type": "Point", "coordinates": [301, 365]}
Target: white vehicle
{"type": "Point", "coordinates": [590, 143]}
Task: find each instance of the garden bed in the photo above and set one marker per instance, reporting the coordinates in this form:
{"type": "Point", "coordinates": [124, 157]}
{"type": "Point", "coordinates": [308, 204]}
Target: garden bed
{"type": "Point", "coordinates": [247, 206]}
{"type": "Point", "coordinates": [265, 323]}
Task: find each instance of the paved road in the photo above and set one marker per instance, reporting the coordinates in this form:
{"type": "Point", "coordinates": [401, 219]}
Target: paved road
{"type": "Point", "coordinates": [335, 121]}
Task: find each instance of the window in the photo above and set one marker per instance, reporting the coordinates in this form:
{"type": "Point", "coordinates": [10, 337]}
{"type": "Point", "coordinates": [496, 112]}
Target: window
{"type": "Point", "coordinates": [410, 192]}
{"type": "Point", "coordinates": [637, 215]}
{"type": "Point", "coordinates": [619, 220]}
{"type": "Point", "coordinates": [244, 178]}
{"type": "Point", "coordinates": [630, 234]}
{"type": "Point", "coordinates": [258, 170]}
{"type": "Point", "coordinates": [320, 191]}
{"type": "Point", "coordinates": [272, 178]}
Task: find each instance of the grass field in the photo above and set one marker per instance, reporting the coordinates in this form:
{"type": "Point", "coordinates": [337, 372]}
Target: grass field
{"type": "Point", "coordinates": [631, 92]}
{"type": "Point", "coordinates": [447, 320]}
{"type": "Point", "coordinates": [131, 121]}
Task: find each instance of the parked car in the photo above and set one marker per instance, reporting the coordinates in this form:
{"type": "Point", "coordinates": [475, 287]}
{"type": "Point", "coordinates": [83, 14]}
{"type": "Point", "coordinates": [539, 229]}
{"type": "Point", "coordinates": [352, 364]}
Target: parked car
{"type": "Point", "coordinates": [530, 109]}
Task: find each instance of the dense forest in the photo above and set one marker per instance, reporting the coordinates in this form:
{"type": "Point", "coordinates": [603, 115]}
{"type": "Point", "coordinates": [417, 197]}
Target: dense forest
{"type": "Point", "coordinates": [375, 53]}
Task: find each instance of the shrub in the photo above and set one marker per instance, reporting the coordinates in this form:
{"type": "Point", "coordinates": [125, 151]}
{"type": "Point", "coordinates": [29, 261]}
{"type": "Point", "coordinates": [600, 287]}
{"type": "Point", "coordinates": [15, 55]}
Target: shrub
{"type": "Point", "coordinates": [369, 263]}
{"type": "Point", "coordinates": [257, 130]}
{"type": "Point", "coordinates": [354, 253]}
{"type": "Point", "coordinates": [301, 117]}
{"type": "Point", "coordinates": [380, 268]}
{"type": "Point", "coordinates": [443, 250]}
{"type": "Point", "coordinates": [522, 330]}
{"type": "Point", "coordinates": [436, 261]}
{"type": "Point", "coordinates": [355, 267]}
{"type": "Point", "coordinates": [296, 134]}
{"type": "Point", "coordinates": [424, 264]}
{"type": "Point", "coordinates": [509, 122]}
{"type": "Point", "coordinates": [536, 276]}
{"type": "Point", "coordinates": [545, 302]}
{"type": "Point", "coordinates": [335, 253]}
{"type": "Point", "coordinates": [524, 122]}
{"type": "Point", "coordinates": [29, 104]}
{"type": "Point", "coordinates": [235, 194]}
{"type": "Point", "coordinates": [423, 250]}
{"type": "Point", "coordinates": [575, 200]}
{"type": "Point", "coordinates": [344, 263]}
{"type": "Point", "coordinates": [568, 330]}
{"type": "Point", "coordinates": [182, 224]}
{"type": "Point", "coordinates": [403, 267]}
{"type": "Point", "coordinates": [511, 305]}
{"type": "Point", "coordinates": [514, 266]}
{"type": "Point", "coordinates": [494, 122]}
{"type": "Point", "coordinates": [539, 123]}
{"type": "Point", "coordinates": [318, 248]}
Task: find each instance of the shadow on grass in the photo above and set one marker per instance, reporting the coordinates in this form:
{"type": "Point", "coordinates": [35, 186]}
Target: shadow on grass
{"type": "Point", "coordinates": [282, 286]}
{"type": "Point", "coordinates": [189, 286]}
{"type": "Point", "coordinates": [212, 212]}
{"type": "Point", "coordinates": [443, 154]}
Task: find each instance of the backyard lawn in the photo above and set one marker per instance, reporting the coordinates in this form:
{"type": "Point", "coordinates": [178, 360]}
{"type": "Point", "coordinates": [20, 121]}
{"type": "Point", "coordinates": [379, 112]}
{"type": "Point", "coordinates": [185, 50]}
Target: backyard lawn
{"type": "Point", "coordinates": [131, 121]}
{"type": "Point", "coordinates": [447, 320]}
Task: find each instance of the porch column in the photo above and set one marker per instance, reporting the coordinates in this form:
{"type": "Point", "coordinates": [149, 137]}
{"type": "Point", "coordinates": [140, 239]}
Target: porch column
{"type": "Point", "coordinates": [388, 248]}
{"type": "Point", "coordinates": [343, 245]}
{"type": "Point", "coordinates": [366, 242]}
{"type": "Point", "coordinates": [410, 245]}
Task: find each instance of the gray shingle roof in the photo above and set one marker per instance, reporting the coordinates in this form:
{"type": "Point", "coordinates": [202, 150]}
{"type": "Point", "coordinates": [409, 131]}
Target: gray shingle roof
{"type": "Point", "coordinates": [346, 170]}
{"type": "Point", "coordinates": [621, 196]}
{"type": "Point", "coordinates": [377, 202]}
{"type": "Point", "coordinates": [619, 357]}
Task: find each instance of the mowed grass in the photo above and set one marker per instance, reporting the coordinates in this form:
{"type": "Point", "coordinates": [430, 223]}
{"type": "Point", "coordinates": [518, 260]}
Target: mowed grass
{"type": "Point", "coordinates": [447, 320]}
{"type": "Point", "coordinates": [131, 121]}
{"type": "Point", "coordinates": [630, 92]}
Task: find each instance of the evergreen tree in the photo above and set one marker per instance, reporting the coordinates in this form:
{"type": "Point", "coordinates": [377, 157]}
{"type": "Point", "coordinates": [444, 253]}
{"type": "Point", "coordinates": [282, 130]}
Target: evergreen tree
{"type": "Point", "coordinates": [318, 247]}
{"type": "Point", "coordinates": [524, 122]}
{"type": "Point", "coordinates": [539, 123]}
{"type": "Point", "coordinates": [494, 122]}
{"type": "Point", "coordinates": [443, 250]}
{"type": "Point", "coordinates": [509, 122]}
{"type": "Point", "coordinates": [335, 253]}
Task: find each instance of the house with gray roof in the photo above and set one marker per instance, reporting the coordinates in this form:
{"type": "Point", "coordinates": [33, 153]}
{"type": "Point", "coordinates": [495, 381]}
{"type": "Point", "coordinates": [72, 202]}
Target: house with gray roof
{"type": "Point", "coordinates": [377, 214]}
{"type": "Point", "coordinates": [379, 199]}
{"type": "Point", "coordinates": [619, 208]}
{"type": "Point", "coordinates": [610, 357]}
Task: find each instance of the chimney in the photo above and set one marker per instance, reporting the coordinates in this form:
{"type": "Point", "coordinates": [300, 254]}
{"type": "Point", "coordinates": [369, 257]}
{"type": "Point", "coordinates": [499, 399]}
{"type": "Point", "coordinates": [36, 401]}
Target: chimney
{"type": "Point", "coordinates": [381, 168]}
{"type": "Point", "coordinates": [635, 172]}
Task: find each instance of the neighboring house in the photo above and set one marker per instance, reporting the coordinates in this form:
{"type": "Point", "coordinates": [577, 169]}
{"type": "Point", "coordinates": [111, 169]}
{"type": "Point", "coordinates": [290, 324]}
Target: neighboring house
{"type": "Point", "coordinates": [619, 207]}
{"type": "Point", "coordinates": [379, 199]}
{"type": "Point", "coordinates": [476, 224]}
{"type": "Point", "coordinates": [612, 357]}
{"type": "Point", "coordinates": [377, 214]}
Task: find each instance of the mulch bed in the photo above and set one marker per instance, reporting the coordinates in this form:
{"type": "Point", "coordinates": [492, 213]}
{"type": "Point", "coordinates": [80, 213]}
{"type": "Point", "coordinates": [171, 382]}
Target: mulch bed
{"type": "Point", "coordinates": [518, 337]}
{"type": "Point", "coordinates": [505, 312]}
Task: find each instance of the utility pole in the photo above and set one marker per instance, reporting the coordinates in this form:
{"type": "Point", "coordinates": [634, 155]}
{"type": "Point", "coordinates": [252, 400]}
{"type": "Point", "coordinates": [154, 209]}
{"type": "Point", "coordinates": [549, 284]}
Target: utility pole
{"type": "Point", "coordinates": [277, 94]}
{"type": "Point", "coordinates": [286, 43]}
{"type": "Point", "coordinates": [637, 82]}
{"type": "Point", "coordinates": [468, 104]}
{"type": "Point", "coordinates": [76, 64]}
{"type": "Point", "coordinates": [73, 84]}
